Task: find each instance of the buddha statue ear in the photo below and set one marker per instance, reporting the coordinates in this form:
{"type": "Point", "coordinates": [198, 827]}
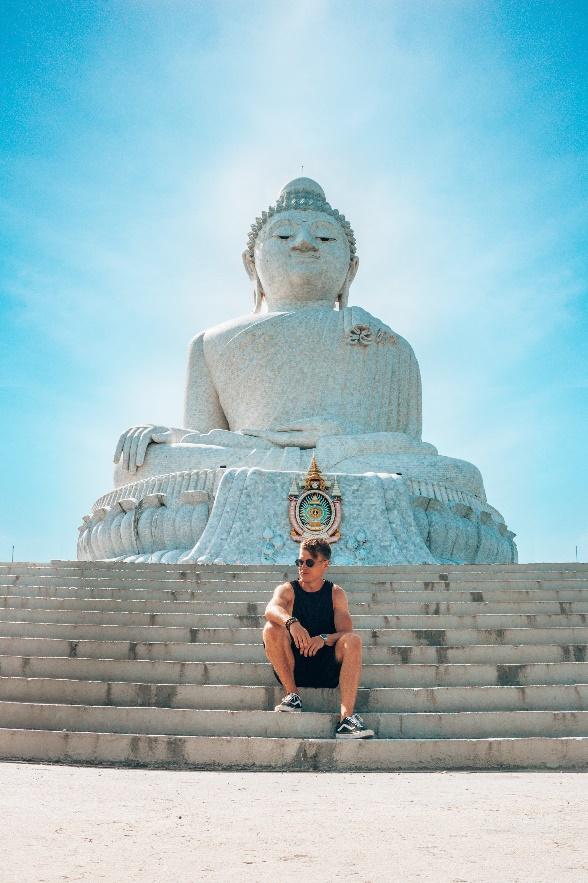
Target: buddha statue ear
{"type": "Point", "coordinates": [343, 296]}
{"type": "Point", "coordinates": [258, 293]}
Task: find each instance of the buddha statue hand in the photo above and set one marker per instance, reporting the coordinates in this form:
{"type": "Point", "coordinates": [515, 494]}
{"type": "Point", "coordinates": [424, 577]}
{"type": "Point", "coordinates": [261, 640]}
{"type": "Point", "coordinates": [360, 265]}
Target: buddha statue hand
{"type": "Point", "coordinates": [303, 433]}
{"type": "Point", "coordinates": [132, 445]}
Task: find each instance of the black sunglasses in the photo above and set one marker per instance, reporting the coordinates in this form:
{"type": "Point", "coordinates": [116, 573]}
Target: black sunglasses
{"type": "Point", "coordinates": [310, 562]}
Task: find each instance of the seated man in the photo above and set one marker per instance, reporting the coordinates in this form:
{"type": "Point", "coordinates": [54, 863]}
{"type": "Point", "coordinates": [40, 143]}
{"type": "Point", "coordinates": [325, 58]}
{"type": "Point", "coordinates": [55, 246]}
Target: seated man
{"type": "Point", "coordinates": [309, 638]}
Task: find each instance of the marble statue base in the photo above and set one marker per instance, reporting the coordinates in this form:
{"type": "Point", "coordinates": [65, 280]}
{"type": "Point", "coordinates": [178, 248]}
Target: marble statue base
{"type": "Point", "coordinates": [240, 516]}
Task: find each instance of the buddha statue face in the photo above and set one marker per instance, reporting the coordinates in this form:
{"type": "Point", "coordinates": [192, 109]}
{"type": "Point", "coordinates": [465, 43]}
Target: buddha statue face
{"type": "Point", "coordinates": [302, 258]}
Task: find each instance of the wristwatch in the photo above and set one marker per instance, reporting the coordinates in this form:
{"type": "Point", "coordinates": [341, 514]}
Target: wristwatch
{"type": "Point", "coordinates": [324, 637]}
{"type": "Point", "coordinates": [290, 622]}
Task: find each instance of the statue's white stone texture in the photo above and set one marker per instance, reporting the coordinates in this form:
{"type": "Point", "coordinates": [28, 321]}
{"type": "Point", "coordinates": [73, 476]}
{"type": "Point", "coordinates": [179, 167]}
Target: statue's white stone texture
{"type": "Point", "coordinates": [304, 374]}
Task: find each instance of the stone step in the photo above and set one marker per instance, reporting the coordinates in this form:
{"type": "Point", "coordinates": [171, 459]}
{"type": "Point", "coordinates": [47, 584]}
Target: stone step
{"type": "Point", "coordinates": [357, 583]}
{"type": "Point", "coordinates": [145, 596]}
{"type": "Point", "coordinates": [189, 568]}
{"type": "Point", "coordinates": [256, 608]}
{"type": "Point", "coordinates": [252, 620]}
{"type": "Point", "coordinates": [235, 697]}
{"type": "Point", "coordinates": [268, 724]}
{"type": "Point", "coordinates": [202, 652]}
{"type": "Point", "coordinates": [261, 674]}
{"type": "Point", "coordinates": [235, 571]}
{"type": "Point", "coordinates": [67, 562]}
{"type": "Point", "coordinates": [371, 637]}
{"type": "Point", "coordinates": [258, 753]}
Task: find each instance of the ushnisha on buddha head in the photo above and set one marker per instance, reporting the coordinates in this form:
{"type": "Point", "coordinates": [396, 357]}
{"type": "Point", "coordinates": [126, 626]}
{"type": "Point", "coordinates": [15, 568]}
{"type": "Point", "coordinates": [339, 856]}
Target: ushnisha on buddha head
{"type": "Point", "coordinates": [301, 251]}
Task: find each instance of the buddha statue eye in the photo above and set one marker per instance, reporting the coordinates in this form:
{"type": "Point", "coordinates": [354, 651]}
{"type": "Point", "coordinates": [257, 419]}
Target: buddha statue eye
{"type": "Point", "coordinates": [284, 235]}
{"type": "Point", "coordinates": [326, 238]}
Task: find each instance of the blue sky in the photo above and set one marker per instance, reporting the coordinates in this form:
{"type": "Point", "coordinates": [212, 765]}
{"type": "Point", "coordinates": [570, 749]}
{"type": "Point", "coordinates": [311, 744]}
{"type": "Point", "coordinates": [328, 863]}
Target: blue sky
{"type": "Point", "coordinates": [138, 142]}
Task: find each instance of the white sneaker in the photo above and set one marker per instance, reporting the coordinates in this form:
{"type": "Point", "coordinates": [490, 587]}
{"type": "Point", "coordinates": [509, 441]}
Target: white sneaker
{"type": "Point", "coordinates": [353, 728]}
{"type": "Point", "coordinates": [291, 702]}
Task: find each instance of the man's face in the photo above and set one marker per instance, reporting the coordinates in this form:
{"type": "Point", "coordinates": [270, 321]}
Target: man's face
{"type": "Point", "coordinates": [301, 256]}
{"type": "Point", "coordinates": [318, 568]}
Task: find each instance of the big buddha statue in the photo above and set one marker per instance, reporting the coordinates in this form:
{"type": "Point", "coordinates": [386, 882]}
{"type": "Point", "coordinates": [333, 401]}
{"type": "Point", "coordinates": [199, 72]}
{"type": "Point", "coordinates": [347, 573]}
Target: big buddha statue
{"type": "Point", "coordinates": [304, 375]}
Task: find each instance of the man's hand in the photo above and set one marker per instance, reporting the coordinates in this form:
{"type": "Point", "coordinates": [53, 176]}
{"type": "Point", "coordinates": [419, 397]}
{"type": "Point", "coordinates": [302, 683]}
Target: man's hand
{"type": "Point", "coordinates": [132, 445]}
{"type": "Point", "coordinates": [315, 645]}
{"type": "Point", "coordinates": [300, 637]}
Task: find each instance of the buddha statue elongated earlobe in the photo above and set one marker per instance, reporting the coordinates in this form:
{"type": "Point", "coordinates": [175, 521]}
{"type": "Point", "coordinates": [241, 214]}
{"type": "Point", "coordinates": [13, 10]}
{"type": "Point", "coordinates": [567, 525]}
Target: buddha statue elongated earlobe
{"type": "Point", "coordinates": [258, 293]}
{"type": "Point", "coordinates": [343, 296]}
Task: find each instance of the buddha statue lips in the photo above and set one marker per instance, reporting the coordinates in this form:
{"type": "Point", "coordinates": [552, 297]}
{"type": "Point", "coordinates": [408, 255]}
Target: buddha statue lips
{"type": "Point", "coordinates": [304, 374]}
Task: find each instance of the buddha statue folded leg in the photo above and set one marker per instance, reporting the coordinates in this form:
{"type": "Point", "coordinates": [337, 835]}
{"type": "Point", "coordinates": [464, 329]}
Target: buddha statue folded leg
{"type": "Point", "coordinates": [367, 452]}
{"type": "Point", "coordinates": [213, 450]}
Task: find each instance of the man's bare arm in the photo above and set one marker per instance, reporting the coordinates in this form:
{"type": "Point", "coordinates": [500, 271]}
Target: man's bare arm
{"type": "Point", "coordinates": [343, 623]}
{"type": "Point", "coordinates": [279, 609]}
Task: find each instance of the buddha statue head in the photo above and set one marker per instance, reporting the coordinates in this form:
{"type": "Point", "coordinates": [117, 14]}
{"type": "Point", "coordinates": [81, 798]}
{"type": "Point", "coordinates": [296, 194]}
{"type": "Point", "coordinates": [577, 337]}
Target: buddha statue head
{"type": "Point", "coordinates": [301, 252]}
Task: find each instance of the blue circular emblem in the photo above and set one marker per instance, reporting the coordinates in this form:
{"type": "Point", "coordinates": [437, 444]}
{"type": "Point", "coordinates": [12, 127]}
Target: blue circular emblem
{"type": "Point", "coordinates": [315, 511]}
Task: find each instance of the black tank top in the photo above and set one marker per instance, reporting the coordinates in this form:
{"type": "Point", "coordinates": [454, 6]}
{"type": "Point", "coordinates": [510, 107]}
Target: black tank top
{"type": "Point", "coordinates": [314, 609]}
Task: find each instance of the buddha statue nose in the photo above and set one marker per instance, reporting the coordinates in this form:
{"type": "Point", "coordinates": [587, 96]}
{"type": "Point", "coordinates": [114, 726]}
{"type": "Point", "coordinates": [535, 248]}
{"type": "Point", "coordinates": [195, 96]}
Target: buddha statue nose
{"type": "Point", "coordinates": [303, 242]}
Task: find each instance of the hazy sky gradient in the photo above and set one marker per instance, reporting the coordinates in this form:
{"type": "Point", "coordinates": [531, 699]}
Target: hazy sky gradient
{"type": "Point", "coordinates": [139, 141]}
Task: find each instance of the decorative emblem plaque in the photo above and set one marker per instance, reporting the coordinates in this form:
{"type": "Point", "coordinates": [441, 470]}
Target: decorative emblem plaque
{"type": "Point", "coordinates": [314, 507]}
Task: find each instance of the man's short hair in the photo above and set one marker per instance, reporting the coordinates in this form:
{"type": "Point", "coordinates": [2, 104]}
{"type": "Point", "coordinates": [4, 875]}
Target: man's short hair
{"type": "Point", "coordinates": [318, 546]}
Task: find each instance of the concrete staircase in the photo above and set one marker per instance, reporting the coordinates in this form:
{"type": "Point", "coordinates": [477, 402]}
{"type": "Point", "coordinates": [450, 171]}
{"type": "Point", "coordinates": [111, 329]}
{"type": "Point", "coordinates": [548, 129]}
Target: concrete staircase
{"type": "Point", "coordinates": [472, 667]}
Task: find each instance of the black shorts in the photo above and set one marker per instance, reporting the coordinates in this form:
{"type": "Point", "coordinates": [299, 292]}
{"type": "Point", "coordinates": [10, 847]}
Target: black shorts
{"type": "Point", "coordinates": [320, 671]}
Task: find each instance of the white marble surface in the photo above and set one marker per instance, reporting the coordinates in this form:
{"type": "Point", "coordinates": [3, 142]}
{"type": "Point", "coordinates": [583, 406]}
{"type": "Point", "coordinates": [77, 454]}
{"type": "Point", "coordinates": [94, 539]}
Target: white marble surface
{"type": "Point", "coordinates": [249, 523]}
{"type": "Point", "coordinates": [166, 518]}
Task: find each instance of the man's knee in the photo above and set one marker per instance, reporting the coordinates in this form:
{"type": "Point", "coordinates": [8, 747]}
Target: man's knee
{"type": "Point", "coordinates": [273, 633]}
{"type": "Point", "coordinates": [350, 643]}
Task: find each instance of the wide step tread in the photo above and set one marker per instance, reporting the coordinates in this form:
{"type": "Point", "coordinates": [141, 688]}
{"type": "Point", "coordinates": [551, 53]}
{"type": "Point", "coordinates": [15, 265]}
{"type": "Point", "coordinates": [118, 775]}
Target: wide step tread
{"type": "Point", "coordinates": [253, 652]}
{"type": "Point", "coordinates": [261, 674]}
{"type": "Point", "coordinates": [432, 636]}
{"type": "Point", "coordinates": [254, 753]}
{"type": "Point", "coordinates": [307, 725]}
{"type": "Point", "coordinates": [538, 697]}
{"type": "Point", "coordinates": [255, 619]}
{"type": "Point", "coordinates": [12, 604]}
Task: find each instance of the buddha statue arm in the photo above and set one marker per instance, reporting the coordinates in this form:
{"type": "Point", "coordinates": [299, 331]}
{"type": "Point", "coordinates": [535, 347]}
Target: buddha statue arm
{"type": "Point", "coordinates": [409, 419]}
{"type": "Point", "coordinates": [202, 407]}
{"type": "Point", "coordinates": [202, 413]}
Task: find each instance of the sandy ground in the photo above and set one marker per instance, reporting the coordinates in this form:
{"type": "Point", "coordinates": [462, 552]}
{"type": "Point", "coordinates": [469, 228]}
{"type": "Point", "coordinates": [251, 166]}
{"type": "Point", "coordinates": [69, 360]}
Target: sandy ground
{"type": "Point", "coordinates": [69, 823]}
